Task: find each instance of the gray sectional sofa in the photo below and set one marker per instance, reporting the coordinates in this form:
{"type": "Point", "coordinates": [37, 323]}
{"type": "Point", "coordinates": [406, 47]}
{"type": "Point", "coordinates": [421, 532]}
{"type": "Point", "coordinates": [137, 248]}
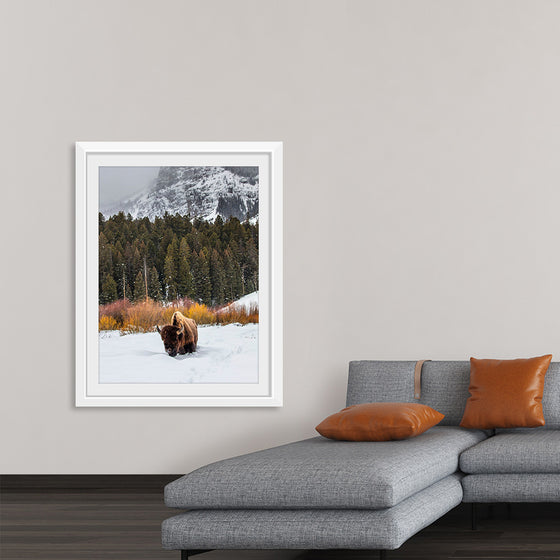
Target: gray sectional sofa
{"type": "Point", "coordinates": [325, 494]}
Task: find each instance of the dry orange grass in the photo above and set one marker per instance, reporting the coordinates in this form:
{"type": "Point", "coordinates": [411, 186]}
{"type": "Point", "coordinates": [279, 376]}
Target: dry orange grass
{"type": "Point", "coordinates": [233, 314]}
{"type": "Point", "coordinates": [201, 314]}
{"type": "Point", "coordinates": [141, 317]}
{"type": "Point", "coordinates": [116, 310]}
{"type": "Point", "coordinates": [108, 323]}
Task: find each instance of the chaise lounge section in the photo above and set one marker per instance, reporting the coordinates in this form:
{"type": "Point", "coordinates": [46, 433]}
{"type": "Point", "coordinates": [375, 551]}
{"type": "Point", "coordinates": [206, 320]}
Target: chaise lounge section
{"type": "Point", "coordinates": [325, 494]}
{"type": "Point", "coordinates": [319, 473]}
{"type": "Point", "coordinates": [356, 529]}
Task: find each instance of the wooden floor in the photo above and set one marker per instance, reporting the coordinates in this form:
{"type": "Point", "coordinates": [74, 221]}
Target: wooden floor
{"type": "Point", "coordinates": [92, 524]}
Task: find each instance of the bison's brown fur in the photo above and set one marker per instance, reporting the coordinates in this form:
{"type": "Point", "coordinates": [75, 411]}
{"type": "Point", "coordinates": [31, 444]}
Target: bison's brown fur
{"type": "Point", "coordinates": [181, 337]}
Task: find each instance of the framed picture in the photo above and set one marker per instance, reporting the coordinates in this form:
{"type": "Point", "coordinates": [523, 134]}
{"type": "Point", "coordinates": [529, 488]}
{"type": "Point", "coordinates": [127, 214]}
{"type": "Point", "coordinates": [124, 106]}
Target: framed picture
{"type": "Point", "coordinates": [178, 274]}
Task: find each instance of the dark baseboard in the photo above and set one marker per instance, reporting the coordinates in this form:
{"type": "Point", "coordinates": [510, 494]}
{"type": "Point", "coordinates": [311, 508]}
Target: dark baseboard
{"type": "Point", "coordinates": [112, 482]}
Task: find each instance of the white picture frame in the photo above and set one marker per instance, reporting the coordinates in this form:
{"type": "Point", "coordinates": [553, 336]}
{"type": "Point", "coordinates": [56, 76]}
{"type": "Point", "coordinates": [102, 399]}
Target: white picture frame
{"type": "Point", "coordinates": [90, 156]}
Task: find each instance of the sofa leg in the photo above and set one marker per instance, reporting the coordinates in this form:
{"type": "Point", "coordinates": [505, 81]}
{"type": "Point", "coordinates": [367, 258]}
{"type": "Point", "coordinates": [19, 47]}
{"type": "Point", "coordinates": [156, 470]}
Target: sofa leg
{"type": "Point", "coordinates": [473, 517]}
{"type": "Point", "coordinates": [186, 554]}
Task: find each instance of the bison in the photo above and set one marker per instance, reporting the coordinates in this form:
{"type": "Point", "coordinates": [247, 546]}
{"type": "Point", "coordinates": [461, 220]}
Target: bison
{"type": "Point", "coordinates": [181, 336]}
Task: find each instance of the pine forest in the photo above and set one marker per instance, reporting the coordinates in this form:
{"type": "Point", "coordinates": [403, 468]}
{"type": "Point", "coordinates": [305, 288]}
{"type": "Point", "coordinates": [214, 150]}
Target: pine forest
{"type": "Point", "coordinates": [176, 258]}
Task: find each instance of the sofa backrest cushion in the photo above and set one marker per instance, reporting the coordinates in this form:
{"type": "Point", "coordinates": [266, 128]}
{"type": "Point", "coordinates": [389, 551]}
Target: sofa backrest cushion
{"type": "Point", "coordinates": [445, 387]}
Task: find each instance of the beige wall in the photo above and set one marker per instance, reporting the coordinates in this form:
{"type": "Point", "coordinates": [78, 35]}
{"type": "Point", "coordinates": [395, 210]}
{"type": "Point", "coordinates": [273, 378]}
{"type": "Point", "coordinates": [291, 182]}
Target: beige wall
{"type": "Point", "coordinates": [422, 186]}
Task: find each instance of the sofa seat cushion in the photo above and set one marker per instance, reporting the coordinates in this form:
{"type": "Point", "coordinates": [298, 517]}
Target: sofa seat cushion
{"type": "Point", "coordinates": [319, 473]}
{"type": "Point", "coordinates": [492, 488]}
{"type": "Point", "coordinates": [523, 451]}
{"type": "Point", "coordinates": [312, 529]}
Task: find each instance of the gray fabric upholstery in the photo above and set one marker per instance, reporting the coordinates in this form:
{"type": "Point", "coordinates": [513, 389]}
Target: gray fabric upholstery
{"type": "Point", "coordinates": [444, 387]}
{"type": "Point", "coordinates": [321, 494]}
{"type": "Point", "coordinates": [551, 396]}
{"type": "Point", "coordinates": [531, 451]}
{"type": "Point", "coordinates": [322, 473]}
{"type": "Point", "coordinates": [312, 529]}
{"type": "Point", "coordinates": [511, 488]}
{"type": "Point", "coordinates": [380, 381]}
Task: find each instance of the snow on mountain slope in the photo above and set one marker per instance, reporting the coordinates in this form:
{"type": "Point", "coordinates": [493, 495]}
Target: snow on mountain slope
{"type": "Point", "coordinates": [202, 192]}
{"type": "Point", "coordinates": [246, 302]}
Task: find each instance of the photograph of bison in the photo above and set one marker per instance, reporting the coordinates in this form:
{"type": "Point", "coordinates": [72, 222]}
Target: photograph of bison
{"type": "Point", "coordinates": [178, 274]}
{"type": "Point", "coordinates": [181, 336]}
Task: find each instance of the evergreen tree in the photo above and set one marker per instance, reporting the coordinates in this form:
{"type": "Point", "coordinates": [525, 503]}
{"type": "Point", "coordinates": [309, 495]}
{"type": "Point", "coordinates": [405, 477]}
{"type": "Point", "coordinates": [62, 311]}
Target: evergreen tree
{"type": "Point", "coordinates": [173, 249]}
{"type": "Point", "coordinates": [234, 281]}
{"type": "Point", "coordinates": [217, 278]}
{"type": "Point", "coordinates": [169, 278]}
{"type": "Point", "coordinates": [105, 257]}
{"type": "Point", "coordinates": [136, 260]}
{"type": "Point", "coordinates": [184, 275]}
{"type": "Point", "coordinates": [214, 241]}
{"type": "Point", "coordinates": [129, 259]}
{"type": "Point", "coordinates": [201, 278]}
{"type": "Point", "coordinates": [251, 267]}
{"type": "Point", "coordinates": [123, 287]}
{"type": "Point", "coordinates": [126, 289]}
{"type": "Point", "coordinates": [154, 285]}
{"type": "Point", "coordinates": [205, 291]}
{"type": "Point", "coordinates": [170, 270]}
{"type": "Point", "coordinates": [166, 239]}
{"type": "Point", "coordinates": [108, 289]}
{"type": "Point", "coordinates": [139, 287]}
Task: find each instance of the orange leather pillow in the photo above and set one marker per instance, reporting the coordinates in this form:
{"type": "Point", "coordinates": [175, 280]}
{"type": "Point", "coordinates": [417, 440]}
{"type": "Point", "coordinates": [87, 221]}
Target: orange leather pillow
{"type": "Point", "coordinates": [379, 422]}
{"type": "Point", "coordinates": [506, 393]}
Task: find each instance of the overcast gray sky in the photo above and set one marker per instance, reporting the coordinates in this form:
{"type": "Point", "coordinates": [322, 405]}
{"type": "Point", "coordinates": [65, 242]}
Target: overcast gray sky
{"type": "Point", "coordinates": [120, 183]}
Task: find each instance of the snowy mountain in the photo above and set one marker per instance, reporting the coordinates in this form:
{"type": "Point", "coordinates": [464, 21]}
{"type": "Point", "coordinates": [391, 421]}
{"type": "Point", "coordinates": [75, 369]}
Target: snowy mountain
{"type": "Point", "coordinates": [202, 192]}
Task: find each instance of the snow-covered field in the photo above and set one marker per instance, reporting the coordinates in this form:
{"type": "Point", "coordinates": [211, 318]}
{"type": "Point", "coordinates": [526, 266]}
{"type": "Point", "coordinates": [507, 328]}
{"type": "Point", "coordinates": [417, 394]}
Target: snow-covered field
{"type": "Point", "coordinates": [225, 354]}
